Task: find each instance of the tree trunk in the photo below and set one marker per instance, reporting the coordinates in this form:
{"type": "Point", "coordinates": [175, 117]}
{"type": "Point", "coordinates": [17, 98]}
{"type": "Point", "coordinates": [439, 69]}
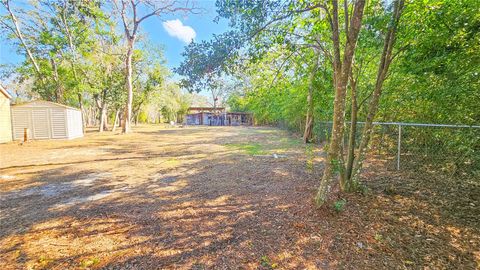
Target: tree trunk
{"type": "Point", "coordinates": [128, 70]}
{"type": "Point", "coordinates": [334, 160]}
{"type": "Point", "coordinates": [307, 135]}
{"type": "Point", "coordinates": [56, 79]}
{"type": "Point", "coordinates": [120, 119]}
{"type": "Point", "coordinates": [19, 34]}
{"type": "Point", "coordinates": [346, 178]}
{"type": "Point", "coordinates": [82, 111]}
{"type": "Point", "coordinates": [115, 122]}
{"type": "Point", "coordinates": [102, 106]}
{"type": "Point", "coordinates": [102, 119]}
{"type": "Point", "coordinates": [103, 126]}
{"type": "Point", "coordinates": [105, 118]}
{"type": "Point", "coordinates": [384, 65]}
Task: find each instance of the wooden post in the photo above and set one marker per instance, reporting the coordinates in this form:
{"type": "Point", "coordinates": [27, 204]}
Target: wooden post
{"type": "Point", "coordinates": [25, 134]}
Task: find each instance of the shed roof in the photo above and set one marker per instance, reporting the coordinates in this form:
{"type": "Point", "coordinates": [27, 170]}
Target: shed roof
{"type": "Point", "coordinates": [4, 92]}
{"type": "Point", "coordinates": [43, 103]}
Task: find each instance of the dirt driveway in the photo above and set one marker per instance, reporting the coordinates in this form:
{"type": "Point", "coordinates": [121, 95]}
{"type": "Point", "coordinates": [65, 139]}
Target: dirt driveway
{"type": "Point", "coordinates": [193, 198]}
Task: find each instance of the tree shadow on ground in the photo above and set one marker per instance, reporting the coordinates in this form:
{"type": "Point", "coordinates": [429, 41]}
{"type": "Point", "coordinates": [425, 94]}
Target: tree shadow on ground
{"type": "Point", "coordinates": [222, 210]}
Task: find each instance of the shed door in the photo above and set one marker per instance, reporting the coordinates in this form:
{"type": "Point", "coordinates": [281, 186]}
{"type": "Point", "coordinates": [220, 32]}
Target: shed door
{"type": "Point", "coordinates": [58, 123]}
{"type": "Point", "coordinates": [20, 120]}
{"type": "Point", "coordinates": [40, 123]}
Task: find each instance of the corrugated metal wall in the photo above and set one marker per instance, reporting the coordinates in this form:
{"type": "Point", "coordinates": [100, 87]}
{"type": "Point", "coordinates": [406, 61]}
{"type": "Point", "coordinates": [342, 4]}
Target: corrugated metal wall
{"type": "Point", "coordinates": [74, 119]}
{"type": "Point", "coordinates": [58, 119]}
{"type": "Point", "coordinates": [5, 120]}
{"type": "Point", "coordinates": [40, 121]}
{"type": "Point", "coordinates": [46, 120]}
{"type": "Point", "coordinates": [20, 121]}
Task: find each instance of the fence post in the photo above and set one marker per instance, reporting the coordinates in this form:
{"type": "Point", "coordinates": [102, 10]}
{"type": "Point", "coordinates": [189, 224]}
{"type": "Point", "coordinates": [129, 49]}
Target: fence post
{"type": "Point", "coordinates": [399, 146]}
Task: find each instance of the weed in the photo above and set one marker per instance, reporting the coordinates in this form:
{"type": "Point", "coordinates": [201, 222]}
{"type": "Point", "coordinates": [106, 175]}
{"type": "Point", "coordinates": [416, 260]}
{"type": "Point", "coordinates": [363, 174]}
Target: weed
{"type": "Point", "coordinates": [363, 189]}
{"type": "Point", "coordinates": [378, 237]}
{"type": "Point", "coordinates": [339, 205]}
{"type": "Point", "coordinates": [89, 262]}
{"type": "Point", "coordinates": [265, 262]}
{"type": "Point", "coordinates": [43, 261]}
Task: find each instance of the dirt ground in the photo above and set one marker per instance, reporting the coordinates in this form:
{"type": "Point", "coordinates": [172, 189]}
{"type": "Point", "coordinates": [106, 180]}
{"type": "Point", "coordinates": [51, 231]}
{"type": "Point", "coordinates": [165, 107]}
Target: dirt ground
{"type": "Point", "coordinates": [221, 198]}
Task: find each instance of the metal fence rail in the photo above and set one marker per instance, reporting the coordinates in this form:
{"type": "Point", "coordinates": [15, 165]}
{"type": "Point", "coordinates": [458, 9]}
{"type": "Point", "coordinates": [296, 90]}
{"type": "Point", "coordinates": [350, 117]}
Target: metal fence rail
{"type": "Point", "coordinates": [447, 148]}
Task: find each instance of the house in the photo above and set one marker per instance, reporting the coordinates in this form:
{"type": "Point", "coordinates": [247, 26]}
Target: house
{"type": "Point", "coordinates": [239, 119]}
{"type": "Point", "coordinates": [206, 116]}
{"type": "Point", "coordinates": [5, 120]}
{"type": "Point", "coordinates": [217, 117]}
{"type": "Point", "coordinates": [46, 120]}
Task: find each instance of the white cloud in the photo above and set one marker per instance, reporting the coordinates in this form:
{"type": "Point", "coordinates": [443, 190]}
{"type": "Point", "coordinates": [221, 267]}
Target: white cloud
{"type": "Point", "coordinates": [175, 28]}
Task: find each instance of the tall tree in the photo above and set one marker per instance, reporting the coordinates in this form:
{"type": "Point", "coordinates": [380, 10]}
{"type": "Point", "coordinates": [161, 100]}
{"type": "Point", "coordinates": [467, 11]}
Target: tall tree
{"type": "Point", "coordinates": [348, 171]}
{"type": "Point", "coordinates": [308, 133]}
{"type": "Point", "coordinates": [133, 13]}
{"type": "Point", "coordinates": [383, 67]}
{"type": "Point", "coordinates": [19, 34]}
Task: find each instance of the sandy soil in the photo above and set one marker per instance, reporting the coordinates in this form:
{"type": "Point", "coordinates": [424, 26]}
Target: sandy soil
{"type": "Point", "coordinates": [218, 198]}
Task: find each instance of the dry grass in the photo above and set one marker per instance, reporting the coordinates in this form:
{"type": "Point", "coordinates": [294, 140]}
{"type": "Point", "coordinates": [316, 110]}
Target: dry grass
{"type": "Point", "coordinates": [210, 197]}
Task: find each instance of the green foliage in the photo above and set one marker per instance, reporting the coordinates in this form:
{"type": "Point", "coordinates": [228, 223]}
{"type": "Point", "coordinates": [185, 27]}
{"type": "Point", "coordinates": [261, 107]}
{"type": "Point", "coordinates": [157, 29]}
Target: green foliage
{"type": "Point", "coordinates": [80, 55]}
{"type": "Point", "coordinates": [263, 64]}
{"type": "Point", "coordinates": [339, 206]}
{"type": "Point", "coordinates": [436, 65]}
{"type": "Point", "coordinates": [440, 66]}
{"type": "Point", "coordinates": [266, 262]}
{"type": "Point", "coordinates": [142, 117]}
{"type": "Point", "coordinates": [237, 103]}
{"type": "Point", "coordinates": [378, 237]}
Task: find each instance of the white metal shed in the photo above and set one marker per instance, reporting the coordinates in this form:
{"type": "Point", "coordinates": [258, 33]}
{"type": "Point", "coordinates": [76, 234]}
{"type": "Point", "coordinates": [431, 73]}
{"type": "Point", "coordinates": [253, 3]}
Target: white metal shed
{"type": "Point", "coordinates": [5, 119]}
{"type": "Point", "coordinates": [46, 120]}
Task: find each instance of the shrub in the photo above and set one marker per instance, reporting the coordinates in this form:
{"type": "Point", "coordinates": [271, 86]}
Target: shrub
{"type": "Point", "coordinates": [339, 205]}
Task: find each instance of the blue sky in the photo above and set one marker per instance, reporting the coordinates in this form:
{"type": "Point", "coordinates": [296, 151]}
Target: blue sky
{"type": "Point", "coordinates": [202, 25]}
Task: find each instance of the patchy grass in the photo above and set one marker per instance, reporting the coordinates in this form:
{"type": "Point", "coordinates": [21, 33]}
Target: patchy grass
{"type": "Point", "coordinates": [249, 148]}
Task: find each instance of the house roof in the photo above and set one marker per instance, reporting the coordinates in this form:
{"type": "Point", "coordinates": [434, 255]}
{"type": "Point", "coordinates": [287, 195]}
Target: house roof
{"type": "Point", "coordinates": [240, 113]}
{"type": "Point", "coordinates": [206, 108]}
{"type": "Point", "coordinates": [4, 92]}
{"type": "Point", "coordinates": [43, 103]}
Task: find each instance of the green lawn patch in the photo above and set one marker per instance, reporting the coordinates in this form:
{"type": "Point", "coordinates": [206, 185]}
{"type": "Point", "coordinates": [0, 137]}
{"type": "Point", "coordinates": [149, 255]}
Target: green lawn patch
{"type": "Point", "coordinates": [249, 148]}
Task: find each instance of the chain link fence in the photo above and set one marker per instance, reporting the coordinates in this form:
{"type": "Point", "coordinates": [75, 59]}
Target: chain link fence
{"type": "Point", "coordinates": [449, 149]}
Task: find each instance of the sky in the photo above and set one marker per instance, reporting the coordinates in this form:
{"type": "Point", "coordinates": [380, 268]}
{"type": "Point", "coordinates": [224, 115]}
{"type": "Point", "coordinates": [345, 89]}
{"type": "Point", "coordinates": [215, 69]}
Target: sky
{"type": "Point", "coordinates": [172, 32]}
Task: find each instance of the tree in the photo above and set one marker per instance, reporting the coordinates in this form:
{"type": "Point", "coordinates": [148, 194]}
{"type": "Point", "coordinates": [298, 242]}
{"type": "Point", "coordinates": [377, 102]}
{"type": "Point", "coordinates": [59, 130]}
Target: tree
{"type": "Point", "coordinates": [341, 75]}
{"type": "Point", "coordinates": [131, 18]}
{"type": "Point", "coordinates": [73, 55]}
{"type": "Point", "coordinates": [308, 133]}
{"type": "Point", "coordinates": [53, 35]}
{"type": "Point", "coordinates": [260, 26]}
{"type": "Point", "coordinates": [383, 67]}
{"type": "Point", "coordinates": [19, 34]}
